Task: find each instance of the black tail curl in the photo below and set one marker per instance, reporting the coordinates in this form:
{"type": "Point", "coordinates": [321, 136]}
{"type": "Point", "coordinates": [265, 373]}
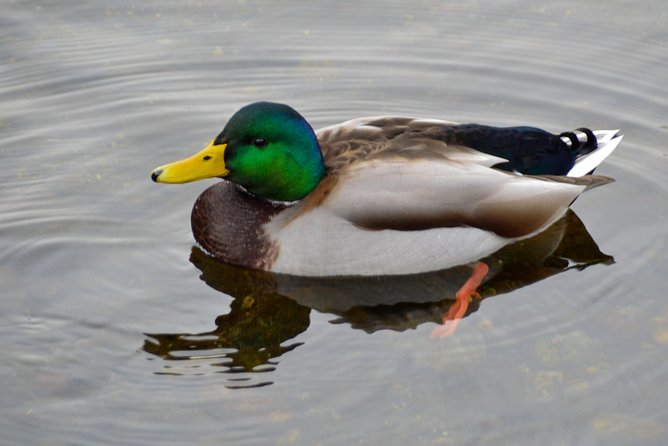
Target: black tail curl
{"type": "Point", "coordinates": [587, 144]}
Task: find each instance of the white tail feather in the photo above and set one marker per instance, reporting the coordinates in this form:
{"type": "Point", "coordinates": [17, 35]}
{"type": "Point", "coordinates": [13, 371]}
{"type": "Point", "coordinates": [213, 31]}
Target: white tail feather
{"type": "Point", "coordinates": [607, 142]}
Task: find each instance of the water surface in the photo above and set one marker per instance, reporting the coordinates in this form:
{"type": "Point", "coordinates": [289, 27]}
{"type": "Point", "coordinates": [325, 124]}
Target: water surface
{"type": "Point", "coordinates": [117, 331]}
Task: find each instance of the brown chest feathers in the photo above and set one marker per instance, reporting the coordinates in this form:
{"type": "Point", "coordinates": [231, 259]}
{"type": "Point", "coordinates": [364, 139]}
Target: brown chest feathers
{"type": "Point", "coordinates": [228, 223]}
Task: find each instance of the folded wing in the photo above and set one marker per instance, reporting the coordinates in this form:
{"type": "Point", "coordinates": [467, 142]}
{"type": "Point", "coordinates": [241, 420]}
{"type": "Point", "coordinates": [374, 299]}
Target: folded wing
{"type": "Point", "coordinates": [424, 194]}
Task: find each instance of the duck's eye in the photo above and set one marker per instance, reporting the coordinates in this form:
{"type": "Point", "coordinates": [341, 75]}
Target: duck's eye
{"type": "Point", "coordinates": [259, 142]}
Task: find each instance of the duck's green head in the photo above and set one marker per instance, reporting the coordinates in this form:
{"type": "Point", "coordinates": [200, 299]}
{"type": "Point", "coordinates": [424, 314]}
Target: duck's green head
{"type": "Point", "coordinates": [267, 148]}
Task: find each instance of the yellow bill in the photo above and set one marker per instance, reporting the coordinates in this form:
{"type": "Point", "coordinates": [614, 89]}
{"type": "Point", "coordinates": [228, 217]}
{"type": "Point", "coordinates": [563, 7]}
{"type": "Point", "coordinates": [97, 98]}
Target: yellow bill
{"type": "Point", "coordinates": [208, 163]}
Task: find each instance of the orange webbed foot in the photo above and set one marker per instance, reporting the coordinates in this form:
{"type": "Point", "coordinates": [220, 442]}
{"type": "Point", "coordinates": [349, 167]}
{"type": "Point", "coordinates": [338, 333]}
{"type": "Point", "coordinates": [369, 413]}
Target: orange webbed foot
{"type": "Point", "coordinates": [462, 298]}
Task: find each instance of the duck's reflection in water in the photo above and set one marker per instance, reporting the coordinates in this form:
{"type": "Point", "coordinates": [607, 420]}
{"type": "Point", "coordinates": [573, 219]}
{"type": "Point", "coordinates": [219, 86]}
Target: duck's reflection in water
{"type": "Point", "coordinates": [270, 309]}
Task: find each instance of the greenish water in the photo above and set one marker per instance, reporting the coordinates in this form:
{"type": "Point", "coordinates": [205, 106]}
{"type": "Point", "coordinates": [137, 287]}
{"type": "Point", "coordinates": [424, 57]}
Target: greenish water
{"type": "Point", "coordinates": [116, 330]}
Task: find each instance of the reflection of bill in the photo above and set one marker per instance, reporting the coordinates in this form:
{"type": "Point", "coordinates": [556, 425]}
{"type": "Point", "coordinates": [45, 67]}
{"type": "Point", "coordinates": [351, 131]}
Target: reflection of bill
{"type": "Point", "coordinates": [269, 309]}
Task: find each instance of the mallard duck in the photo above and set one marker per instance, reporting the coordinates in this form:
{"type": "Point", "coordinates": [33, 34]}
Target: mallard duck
{"type": "Point", "coordinates": [379, 195]}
